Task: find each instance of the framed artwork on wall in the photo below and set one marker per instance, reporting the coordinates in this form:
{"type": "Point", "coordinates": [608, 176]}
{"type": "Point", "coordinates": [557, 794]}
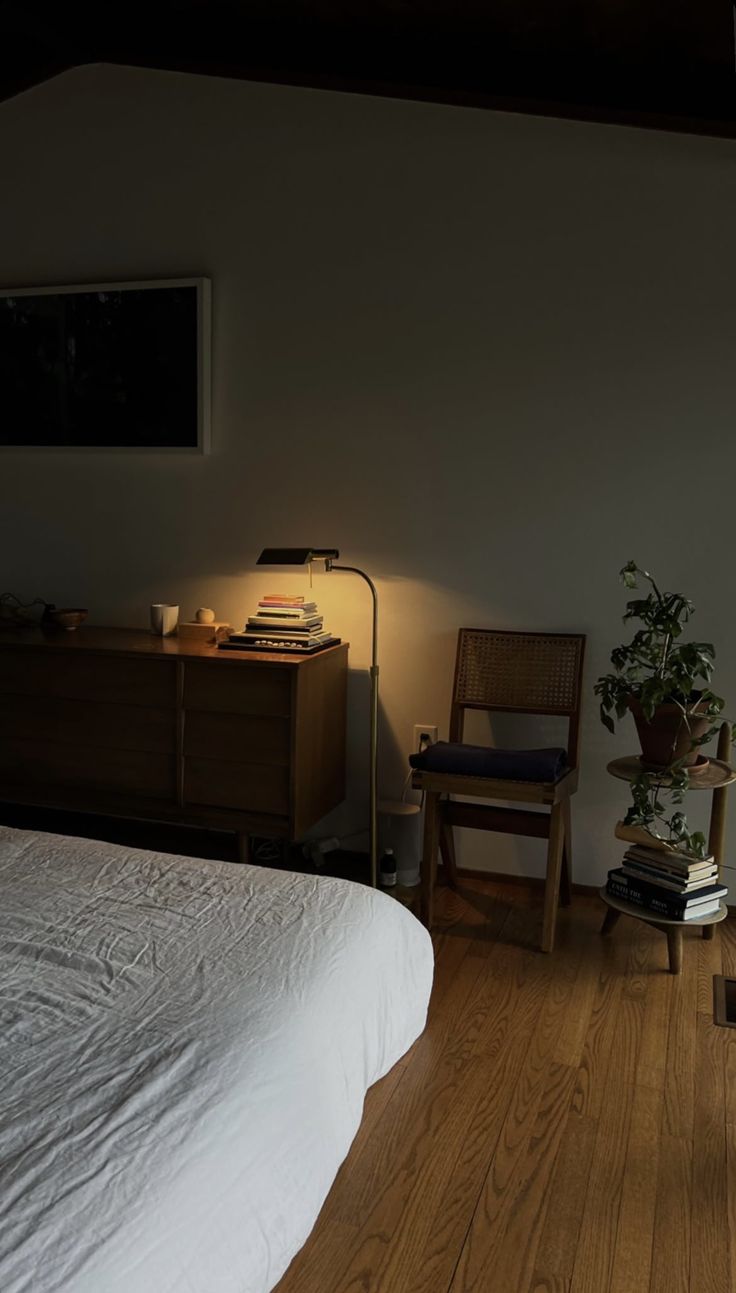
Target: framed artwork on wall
{"type": "Point", "coordinates": [106, 366]}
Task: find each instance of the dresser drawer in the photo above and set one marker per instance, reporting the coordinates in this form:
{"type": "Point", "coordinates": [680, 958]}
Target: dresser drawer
{"type": "Point", "coordinates": [250, 787]}
{"type": "Point", "coordinates": [88, 676]}
{"type": "Point", "coordinates": [47, 765]}
{"type": "Point", "coordinates": [228, 688]}
{"type": "Point", "coordinates": [239, 738]}
{"type": "Point", "coordinates": [94, 725]}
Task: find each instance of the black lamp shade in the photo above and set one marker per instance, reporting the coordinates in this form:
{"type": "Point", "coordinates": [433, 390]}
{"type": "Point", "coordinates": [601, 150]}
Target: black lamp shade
{"type": "Point", "coordinates": [295, 556]}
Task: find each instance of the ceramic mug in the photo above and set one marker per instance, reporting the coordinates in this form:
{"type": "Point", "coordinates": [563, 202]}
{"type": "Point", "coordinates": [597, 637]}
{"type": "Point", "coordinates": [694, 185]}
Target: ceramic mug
{"type": "Point", "coordinates": [164, 619]}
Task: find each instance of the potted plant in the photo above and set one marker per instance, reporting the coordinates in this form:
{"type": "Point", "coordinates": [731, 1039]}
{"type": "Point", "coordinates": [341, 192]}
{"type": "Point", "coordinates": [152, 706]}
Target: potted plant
{"type": "Point", "coordinates": [665, 683]}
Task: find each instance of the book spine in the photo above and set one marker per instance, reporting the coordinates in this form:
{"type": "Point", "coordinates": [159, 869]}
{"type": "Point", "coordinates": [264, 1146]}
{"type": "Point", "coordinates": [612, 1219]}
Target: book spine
{"type": "Point", "coordinates": [677, 860]}
{"type": "Point", "coordinates": [665, 879]}
{"type": "Point", "coordinates": [302, 638]}
{"type": "Point", "coordinates": [283, 626]}
{"type": "Point", "coordinates": [291, 630]}
{"type": "Point", "coordinates": [671, 910]}
{"type": "Point", "coordinates": [714, 890]}
{"type": "Point", "coordinates": [281, 613]}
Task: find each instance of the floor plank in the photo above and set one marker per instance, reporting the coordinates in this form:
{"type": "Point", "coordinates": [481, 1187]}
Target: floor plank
{"type": "Point", "coordinates": [632, 1258]}
{"type": "Point", "coordinates": [558, 1244]}
{"type": "Point", "coordinates": [731, 1190]}
{"type": "Point", "coordinates": [709, 1258]}
{"type": "Point", "coordinates": [566, 1123]}
{"type": "Point", "coordinates": [511, 1210]}
{"type": "Point", "coordinates": [593, 1268]}
{"type": "Point", "coordinates": [671, 1249]}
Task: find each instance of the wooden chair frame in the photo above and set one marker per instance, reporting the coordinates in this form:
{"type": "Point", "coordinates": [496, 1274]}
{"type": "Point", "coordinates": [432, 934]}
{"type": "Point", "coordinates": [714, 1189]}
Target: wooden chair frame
{"type": "Point", "coordinates": [540, 674]}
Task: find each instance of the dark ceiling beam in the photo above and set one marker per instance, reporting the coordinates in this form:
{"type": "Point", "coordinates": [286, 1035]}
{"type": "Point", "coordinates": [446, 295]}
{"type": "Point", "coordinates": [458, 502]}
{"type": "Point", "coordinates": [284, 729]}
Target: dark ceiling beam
{"type": "Point", "coordinates": [639, 62]}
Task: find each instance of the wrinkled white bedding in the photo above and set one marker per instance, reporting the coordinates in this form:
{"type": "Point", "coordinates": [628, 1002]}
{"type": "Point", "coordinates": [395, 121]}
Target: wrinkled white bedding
{"type": "Point", "coordinates": [184, 1050]}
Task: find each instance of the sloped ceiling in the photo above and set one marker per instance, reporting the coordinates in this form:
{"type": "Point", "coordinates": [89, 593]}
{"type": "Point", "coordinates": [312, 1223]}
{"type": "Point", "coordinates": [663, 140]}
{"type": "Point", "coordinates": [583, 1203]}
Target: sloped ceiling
{"type": "Point", "coordinates": [667, 63]}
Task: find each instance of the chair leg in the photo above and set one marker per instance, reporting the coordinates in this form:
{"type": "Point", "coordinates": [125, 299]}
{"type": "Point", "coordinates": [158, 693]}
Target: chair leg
{"type": "Point", "coordinates": [552, 884]}
{"type": "Point", "coordinates": [566, 873]}
{"type": "Point", "coordinates": [447, 850]}
{"type": "Point", "coordinates": [429, 855]}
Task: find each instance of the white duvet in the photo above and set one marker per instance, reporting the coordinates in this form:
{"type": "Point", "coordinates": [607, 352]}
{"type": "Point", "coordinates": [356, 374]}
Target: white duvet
{"type": "Point", "coordinates": [185, 1047]}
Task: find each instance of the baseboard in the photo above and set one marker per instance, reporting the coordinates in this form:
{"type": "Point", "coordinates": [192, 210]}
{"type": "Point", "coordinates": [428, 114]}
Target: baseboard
{"type": "Point", "coordinates": [522, 881]}
{"type": "Point", "coordinates": [534, 882]}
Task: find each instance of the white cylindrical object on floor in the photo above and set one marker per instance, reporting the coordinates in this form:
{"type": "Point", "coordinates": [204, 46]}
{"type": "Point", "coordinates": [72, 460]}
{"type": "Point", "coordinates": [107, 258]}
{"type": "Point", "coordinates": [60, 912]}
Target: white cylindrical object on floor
{"type": "Point", "coordinates": [401, 830]}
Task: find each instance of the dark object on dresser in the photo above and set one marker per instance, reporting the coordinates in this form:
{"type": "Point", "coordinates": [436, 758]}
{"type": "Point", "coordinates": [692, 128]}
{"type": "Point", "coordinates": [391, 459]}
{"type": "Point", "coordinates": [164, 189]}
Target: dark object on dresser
{"type": "Point", "coordinates": [121, 722]}
{"type": "Point", "coordinates": [66, 618]}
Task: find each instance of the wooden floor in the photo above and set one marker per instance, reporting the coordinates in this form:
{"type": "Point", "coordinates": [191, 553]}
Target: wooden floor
{"type": "Point", "coordinates": [566, 1124]}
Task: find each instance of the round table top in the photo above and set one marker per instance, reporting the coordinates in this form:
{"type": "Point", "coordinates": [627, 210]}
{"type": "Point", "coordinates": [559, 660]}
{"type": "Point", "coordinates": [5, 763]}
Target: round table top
{"type": "Point", "coordinates": [654, 918]}
{"type": "Point", "coordinates": [716, 774]}
{"type": "Point", "coordinates": [397, 808]}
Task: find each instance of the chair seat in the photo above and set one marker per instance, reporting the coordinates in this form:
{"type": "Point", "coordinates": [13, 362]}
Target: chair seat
{"type": "Point", "coordinates": [544, 766]}
{"type": "Point", "coordinates": [503, 788]}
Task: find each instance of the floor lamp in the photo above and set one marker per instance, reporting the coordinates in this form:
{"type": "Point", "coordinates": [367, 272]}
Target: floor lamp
{"type": "Point", "coordinates": [305, 556]}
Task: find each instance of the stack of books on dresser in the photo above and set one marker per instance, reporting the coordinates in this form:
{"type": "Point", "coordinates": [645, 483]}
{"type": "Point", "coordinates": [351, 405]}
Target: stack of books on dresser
{"type": "Point", "coordinates": [668, 883]}
{"type": "Point", "coordinates": [288, 624]}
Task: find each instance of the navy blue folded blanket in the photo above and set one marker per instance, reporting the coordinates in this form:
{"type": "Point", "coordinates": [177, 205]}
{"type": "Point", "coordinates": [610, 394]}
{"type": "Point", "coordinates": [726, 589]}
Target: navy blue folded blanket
{"type": "Point", "coordinates": [480, 761]}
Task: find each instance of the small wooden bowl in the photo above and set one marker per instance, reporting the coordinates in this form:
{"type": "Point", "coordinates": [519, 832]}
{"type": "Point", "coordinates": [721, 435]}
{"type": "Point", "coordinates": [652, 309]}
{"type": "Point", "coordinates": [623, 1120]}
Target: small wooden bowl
{"type": "Point", "coordinates": [65, 618]}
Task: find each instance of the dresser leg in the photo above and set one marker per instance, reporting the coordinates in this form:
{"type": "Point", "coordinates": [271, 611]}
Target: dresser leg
{"type": "Point", "coordinates": [243, 839]}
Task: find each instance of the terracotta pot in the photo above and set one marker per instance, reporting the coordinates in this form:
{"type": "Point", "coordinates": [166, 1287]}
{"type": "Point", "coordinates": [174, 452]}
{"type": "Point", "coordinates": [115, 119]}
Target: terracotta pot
{"type": "Point", "coordinates": [668, 738]}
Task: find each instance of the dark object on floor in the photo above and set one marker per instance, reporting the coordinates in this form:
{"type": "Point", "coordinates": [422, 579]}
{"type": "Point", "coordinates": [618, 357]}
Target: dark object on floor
{"type": "Point", "coordinates": [513, 673]}
{"type": "Point", "coordinates": [724, 1001]}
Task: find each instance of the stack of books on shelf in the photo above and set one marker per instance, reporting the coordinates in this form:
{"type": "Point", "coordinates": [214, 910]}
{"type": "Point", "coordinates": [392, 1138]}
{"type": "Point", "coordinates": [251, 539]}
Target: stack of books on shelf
{"type": "Point", "coordinates": [287, 624]}
{"type": "Point", "coordinates": [668, 883]}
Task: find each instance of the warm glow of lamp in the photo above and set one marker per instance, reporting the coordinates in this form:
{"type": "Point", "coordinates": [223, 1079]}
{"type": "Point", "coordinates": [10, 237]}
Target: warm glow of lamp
{"type": "Point", "coordinates": [305, 556]}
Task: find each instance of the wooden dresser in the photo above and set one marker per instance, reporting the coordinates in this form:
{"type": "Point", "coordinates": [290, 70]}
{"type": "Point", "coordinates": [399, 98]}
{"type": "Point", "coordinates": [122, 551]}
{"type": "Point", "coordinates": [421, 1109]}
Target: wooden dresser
{"type": "Point", "coordinates": [120, 722]}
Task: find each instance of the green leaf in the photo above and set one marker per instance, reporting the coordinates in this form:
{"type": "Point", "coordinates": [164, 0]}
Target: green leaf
{"type": "Point", "coordinates": [628, 574]}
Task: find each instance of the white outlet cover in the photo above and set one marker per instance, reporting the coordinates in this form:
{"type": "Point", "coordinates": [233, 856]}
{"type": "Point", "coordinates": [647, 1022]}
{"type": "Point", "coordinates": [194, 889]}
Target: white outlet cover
{"type": "Point", "coordinates": [420, 729]}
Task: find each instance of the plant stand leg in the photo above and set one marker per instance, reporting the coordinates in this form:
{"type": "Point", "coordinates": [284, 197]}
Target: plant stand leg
{"type": "Point", "coordinates": [709, 932]}
{"type": "Point", "coordinates": [610, 920]}
{"type": "Point", "coordinates": [674, 947]}
{"type": "Point", "coordinates": [243, 847]}
{"type": "Point", "coordinates": [717, 830]}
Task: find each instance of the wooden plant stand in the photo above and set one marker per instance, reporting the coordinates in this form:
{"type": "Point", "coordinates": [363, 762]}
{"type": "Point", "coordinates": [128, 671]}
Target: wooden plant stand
{"type": "Point", "coordinates": [717, 777]}
{"type": "Point", "coordinates": [673, 929]}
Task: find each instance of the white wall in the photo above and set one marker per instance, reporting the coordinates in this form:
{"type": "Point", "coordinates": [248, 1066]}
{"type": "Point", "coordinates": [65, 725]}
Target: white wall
{"type": "Point", "coordinates": [490, 357]}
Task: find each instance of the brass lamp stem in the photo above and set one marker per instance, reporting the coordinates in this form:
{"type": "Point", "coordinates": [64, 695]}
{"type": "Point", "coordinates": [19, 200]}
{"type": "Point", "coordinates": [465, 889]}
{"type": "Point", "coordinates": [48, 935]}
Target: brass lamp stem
{"type": "Point", "coordinates": [373, 672]}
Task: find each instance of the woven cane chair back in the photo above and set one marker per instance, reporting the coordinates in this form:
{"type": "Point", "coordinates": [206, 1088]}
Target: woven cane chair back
{"type": "Point", "coordinates": [522, 673]}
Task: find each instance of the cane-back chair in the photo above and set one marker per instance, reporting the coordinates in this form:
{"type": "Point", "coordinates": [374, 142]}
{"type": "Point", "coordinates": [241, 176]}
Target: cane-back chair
{"type": "Point", "coordinates": [513, 673]}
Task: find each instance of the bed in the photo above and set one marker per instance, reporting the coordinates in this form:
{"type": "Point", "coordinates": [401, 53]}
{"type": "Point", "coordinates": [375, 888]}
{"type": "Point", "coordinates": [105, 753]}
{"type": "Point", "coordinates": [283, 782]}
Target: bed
{"type": "Point", "coordinates": [186, 1047]}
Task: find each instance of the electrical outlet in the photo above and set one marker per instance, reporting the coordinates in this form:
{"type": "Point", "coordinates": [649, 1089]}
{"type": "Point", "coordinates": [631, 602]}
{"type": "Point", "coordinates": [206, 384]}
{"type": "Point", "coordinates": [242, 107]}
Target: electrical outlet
{"type": "Point", "coordinates": [424, 734]}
